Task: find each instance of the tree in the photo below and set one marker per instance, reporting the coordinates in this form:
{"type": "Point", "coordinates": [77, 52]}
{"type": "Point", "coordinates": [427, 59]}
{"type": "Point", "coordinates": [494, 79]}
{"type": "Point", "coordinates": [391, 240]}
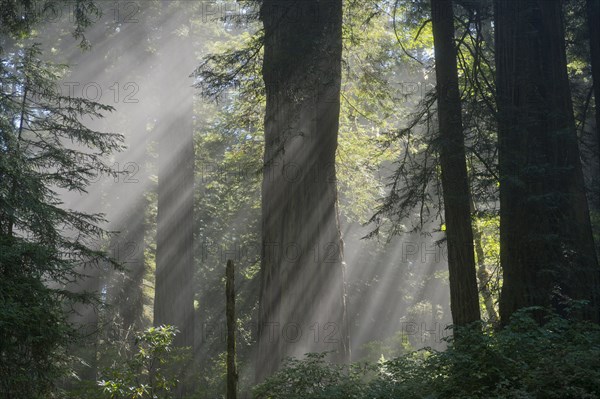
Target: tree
{"type": "Point", "coordinates": [232, 374]}
{"type": "Point", "coordinates": [302, 299]}
{"type": "Point", "coordinates": [464, 296]}
{"type": "Point", "coordinates": [45, 149]}
{"type": "Point", "coordinates": [19, 18]}
{"type": "Point", "coordinates": [174, 295]}
{"type": "Point", "coordinates": [593, 14]}
{"type": "Point", "coordinates": [545, 232]}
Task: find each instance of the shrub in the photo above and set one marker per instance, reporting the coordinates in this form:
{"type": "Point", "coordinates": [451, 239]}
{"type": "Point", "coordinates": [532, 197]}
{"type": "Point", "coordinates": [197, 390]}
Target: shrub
{"type": "Point", "coordinates": [313, 377]}
{"type": "Point", "coordinates": [559, 359]}
{"type": "Point", "coordinates": [143, 376]}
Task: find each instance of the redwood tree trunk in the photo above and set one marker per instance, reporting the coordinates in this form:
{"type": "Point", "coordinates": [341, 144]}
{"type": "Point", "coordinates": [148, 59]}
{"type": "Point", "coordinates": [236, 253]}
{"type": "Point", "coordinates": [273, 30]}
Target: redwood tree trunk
{"type": "Point", "coordinates": [130, 250]}
{"type": "Point", "coordinates": [593, 11]}
{"type": "Point", "coordinates": [464, 296]}
{"type": "Point", "coordinates": [232, 374]}
{"type": "Point", "coordinates": [545, 233]}
{"type": "Point", "coordinates": [302, 300]}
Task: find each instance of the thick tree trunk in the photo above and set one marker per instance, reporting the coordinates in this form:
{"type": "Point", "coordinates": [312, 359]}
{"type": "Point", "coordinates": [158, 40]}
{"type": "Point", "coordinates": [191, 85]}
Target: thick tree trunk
{"type": "Point", "coordinates": [174, 296]}
{"type": "Point", "coordinates": [302, 300]}
{"type": "Point", "coordinates": [464, 297]}
{"type": "Point", "coordinates": [126, 290]}
{"type": "Point", "coordinates": [545, 233]}
{"type": "Point", "coordinates": [593, 11]}
{"type": "Point", "coordinates": [129, 248]}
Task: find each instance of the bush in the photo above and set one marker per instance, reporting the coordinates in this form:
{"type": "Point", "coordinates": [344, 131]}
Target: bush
{"type": "Point", "coordinates": [313, 377]}
{"type": "Point", "coordinates": [559, 359]}
{"type": "Point", "coordinates": [143, 376]}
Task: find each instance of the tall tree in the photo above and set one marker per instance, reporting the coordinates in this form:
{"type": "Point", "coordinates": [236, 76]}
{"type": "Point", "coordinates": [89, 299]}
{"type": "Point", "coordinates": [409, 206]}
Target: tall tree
{"type": "Point", "coordinates": [174, 295]}
{"type": "Point", "coordinates": [128, 289]}
{"type": "Point", "coordinates": [545, 233]}
{"type": "Point", "coordinates": [232, 374]}
{"type": "Point", "coordinates": [302, 300]}
{"type": "Point", "coordinates": [44, 247]}
{"type": "Point", "coordinates": [464, 296]}
{"type": "Point", "coordinates": [593, 14]}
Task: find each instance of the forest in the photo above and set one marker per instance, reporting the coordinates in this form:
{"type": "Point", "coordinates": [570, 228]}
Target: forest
{"type": "Point", "coordinates": [268, 199]}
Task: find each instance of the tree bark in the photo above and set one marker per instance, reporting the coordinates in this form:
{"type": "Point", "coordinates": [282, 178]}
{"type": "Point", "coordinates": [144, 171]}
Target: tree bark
{"type": "Point", "coordinates": [546, 242]}
{"type": "Point", "coordinates": [232, 375]}
{"type": "Point", "coordinates": [464, 296]}
{"type": "Point", "coordinates": [302, 301]}
{"type": "Point", "coordinates": [593, 12]}
{"type": "Point", "coordinates": [130, 250]}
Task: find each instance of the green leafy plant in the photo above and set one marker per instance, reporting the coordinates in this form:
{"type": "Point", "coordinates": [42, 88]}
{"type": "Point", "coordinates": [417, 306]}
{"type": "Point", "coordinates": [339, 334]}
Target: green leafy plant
{"type": "Point", "coordinates": [557, 359]}
{"type": "Point", "coordinates": [314, 377]}
{"type": "Point", "coordinates": [46, 149]}
{"type": "Point", "coordinates": [144, 375]}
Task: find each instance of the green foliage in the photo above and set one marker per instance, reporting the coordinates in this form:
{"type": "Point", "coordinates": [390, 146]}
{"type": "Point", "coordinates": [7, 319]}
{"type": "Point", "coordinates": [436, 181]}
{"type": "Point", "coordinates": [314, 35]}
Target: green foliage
{"type": "Point", "coordinates": [33, 335]}
{"type": "Point", "coordinates": [313, 377]}
{"type": "Point", "coordinates": [19, 18]}
{"type": "Point", "coordinates": [142, 376]}
{"type": "Point", "coordinates": [559, 359]}
{"type": "Point", "coordinates": [396, 345]}
{"type": "Point", "coordinates": [45, 150]}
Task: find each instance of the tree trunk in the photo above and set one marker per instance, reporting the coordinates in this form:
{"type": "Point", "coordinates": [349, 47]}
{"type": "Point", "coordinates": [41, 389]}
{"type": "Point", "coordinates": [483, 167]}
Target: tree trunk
{"type": "Point", "coordinates": [464, 297]}
{"type": "Point", "coordinates": [232, 375]}
{"type": "Point", "coordinates": [593, 11]}
{"type": "Point", "coordinates": [174, 296]}
{"type": "Point", "coordinates": [130, 251]}
{"type": "Point", "coordinates": [546, 242]}
{"type": "Point", "coordinates": [302, 301]}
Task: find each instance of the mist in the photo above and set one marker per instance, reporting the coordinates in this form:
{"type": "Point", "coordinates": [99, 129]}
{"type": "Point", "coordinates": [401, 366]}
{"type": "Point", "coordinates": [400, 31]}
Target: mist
{"type": "Point", "coordinates": [143, 60]}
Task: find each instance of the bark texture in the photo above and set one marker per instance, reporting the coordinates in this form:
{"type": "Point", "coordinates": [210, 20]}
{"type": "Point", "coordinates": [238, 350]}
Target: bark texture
{"type": "Point", "coordinates": [232, 375]}
{"type": "Point", "coordinates": [302, 301]}
{"type": "Point", "coordinates": [546, 244]}
{"type": "Point", "coordinates": [464, 296]}
{"type": "Point", "coordinates": [593, 12]}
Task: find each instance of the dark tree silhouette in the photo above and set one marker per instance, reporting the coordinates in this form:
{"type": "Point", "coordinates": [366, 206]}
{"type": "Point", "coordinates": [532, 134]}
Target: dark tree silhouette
{"type": "Point", "coordinates": [464, 296]}
{"type": "Point", "coordinates": [545, 232]}
{"type": "Point", "coordinates": [302, 300]}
